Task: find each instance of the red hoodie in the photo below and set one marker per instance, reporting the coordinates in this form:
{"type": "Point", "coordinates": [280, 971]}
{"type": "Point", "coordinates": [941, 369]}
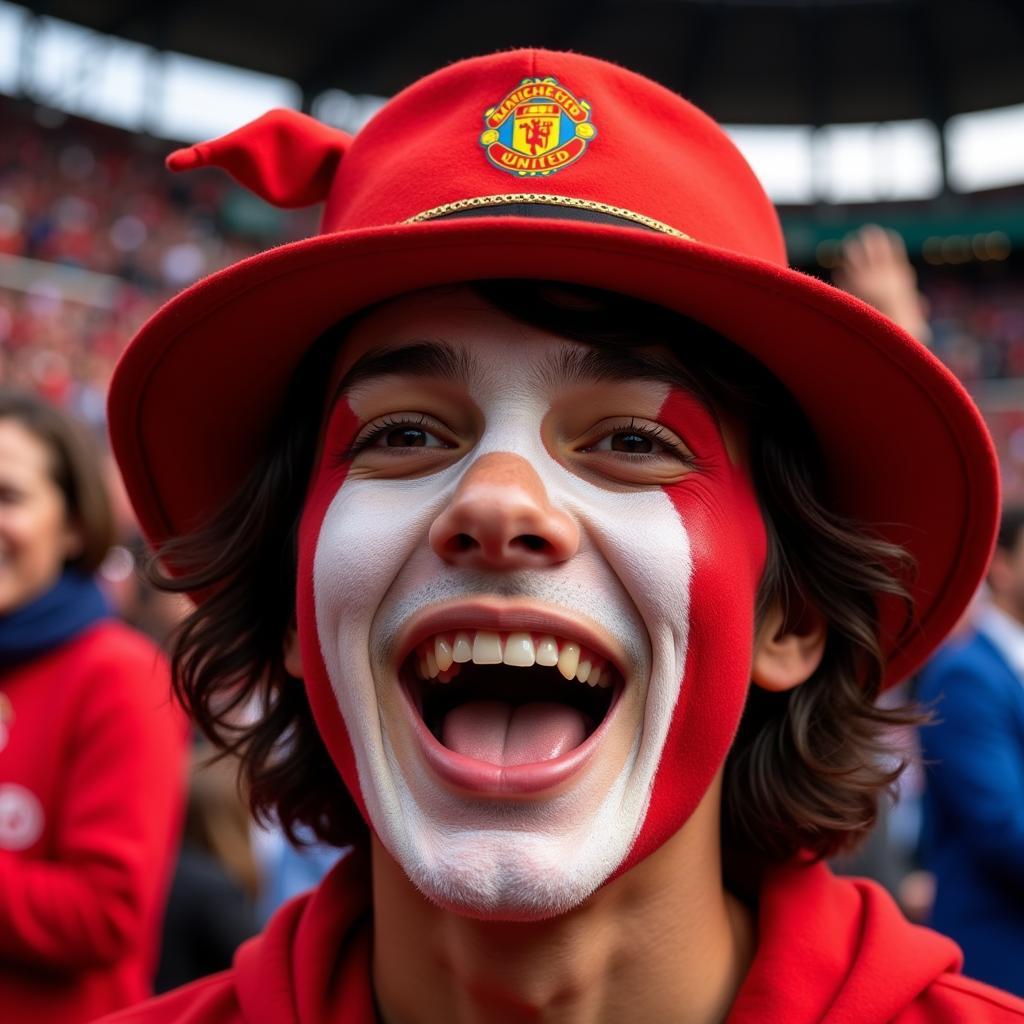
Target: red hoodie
{"type": "Point", "coordinates": [92, 778]}
{"type": "Point", "coordinates": [829, 950]}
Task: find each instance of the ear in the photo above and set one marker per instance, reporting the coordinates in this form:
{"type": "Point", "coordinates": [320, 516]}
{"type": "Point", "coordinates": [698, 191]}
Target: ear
{"type": "Point", "coordinates": [786, 656]}
{"type": "Point", "coordinates": [292, 651]}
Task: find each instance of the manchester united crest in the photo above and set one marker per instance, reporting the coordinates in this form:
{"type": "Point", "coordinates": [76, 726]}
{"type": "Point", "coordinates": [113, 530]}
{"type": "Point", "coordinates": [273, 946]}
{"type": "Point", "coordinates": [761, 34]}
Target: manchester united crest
{"type": "Point", "coordinates": [538, 128]}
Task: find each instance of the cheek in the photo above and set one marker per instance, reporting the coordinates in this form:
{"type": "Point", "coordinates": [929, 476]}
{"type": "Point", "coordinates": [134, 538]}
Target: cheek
{"type": "Point", "coordinates": [727, 538]}
{"type": "Point", "coordinates": [39, 539]}
{"type": "Point", "coordinates": [728, 551]}
{"type": "Point", "coordinates": [328, 478]}
{"type": "Point", "coordinates": [37, 524]}
{"type": "Point", "coordinates": [728, 543]}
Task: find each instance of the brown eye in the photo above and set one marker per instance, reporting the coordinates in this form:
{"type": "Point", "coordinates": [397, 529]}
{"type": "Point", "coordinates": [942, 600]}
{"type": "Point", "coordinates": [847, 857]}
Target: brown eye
{"type": "Point", "coordinates": [406, 437]}
{"type": "Point", "coordinates": [395, 434]}
{"type": "Point", "coordinates": [637, 440]}
{"type": "Point", "coordinates": [634, 452]}
{"type": "Point", "coordinates": [631, 441]}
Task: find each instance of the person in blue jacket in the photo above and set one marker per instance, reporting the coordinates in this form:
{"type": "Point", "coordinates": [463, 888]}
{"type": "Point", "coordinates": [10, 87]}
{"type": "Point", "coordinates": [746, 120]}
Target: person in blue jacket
{"type": "Point", "coordinates": [974, 758]}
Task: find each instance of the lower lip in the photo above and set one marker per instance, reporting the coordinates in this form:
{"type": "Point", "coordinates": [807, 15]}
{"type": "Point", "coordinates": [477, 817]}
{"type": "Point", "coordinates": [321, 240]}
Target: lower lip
{"type": "Point", "coordinates": [481, 778]}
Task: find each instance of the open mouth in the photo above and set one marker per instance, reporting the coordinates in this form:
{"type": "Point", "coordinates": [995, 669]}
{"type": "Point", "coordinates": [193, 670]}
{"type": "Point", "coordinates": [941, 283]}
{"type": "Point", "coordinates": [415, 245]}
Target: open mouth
{"type": "Point", "coordinates": [509, 699]}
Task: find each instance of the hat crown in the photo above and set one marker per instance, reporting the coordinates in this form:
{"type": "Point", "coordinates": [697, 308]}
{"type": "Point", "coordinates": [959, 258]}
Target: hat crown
{"type": "Point", "coordinates": [644, 157]}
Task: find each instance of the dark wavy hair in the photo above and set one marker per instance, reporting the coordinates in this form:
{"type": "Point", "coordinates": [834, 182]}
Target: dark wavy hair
{"type": "Point", "coordinates": [808, 766]}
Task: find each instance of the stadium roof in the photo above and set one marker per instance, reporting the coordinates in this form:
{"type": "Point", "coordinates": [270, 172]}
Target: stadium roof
{"type": "Point", "coordinates": [745, 61]}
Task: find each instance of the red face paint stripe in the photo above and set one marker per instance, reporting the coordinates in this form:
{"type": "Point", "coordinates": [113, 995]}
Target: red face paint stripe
{"type": "Point", "coordinates": [685, 415]}
{"type": "Point", "coordinates": [727, 538]}
{"type": "Point", "coordinates": [328, 477]}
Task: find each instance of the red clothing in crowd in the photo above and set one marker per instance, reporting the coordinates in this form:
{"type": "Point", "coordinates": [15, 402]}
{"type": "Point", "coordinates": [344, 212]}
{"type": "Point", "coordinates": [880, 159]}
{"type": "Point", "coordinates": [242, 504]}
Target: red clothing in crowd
{"type": "Point", "coordinates": [91, 796]}
{"type": "Point", "coordinates": [830, 951]}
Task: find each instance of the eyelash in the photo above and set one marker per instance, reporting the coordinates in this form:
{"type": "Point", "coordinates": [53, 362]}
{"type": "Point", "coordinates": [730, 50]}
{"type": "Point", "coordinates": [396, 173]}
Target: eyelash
{"type": "Point", "coordinates": [373, 431]}
{"type": "Point", "coordinates": [653, 431]}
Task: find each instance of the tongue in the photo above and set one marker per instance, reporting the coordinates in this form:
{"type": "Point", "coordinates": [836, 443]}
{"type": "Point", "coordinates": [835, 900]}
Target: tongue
{"type": "Point", "coordinates": [504, 734]}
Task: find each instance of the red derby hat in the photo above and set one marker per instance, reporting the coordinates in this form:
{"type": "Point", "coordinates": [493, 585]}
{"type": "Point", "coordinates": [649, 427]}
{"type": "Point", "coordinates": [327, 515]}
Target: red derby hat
{"type": "Point", "coordinates": [532, 164]}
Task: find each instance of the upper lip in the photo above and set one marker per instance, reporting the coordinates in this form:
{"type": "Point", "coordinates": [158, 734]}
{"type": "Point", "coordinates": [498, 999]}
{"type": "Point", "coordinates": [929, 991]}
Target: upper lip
{"type": "Point", "coordinates": [508, 616]}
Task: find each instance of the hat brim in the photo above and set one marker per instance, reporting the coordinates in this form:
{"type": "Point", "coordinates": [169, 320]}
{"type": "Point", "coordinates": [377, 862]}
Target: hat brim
{"type": "Point", "coordinates": [196, 392]}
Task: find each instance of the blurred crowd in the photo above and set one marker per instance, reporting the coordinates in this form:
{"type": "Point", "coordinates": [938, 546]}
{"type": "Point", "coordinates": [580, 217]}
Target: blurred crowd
{"type": "Point", "coordinates": [94, 235]}
{"type": "Point", "coordinates": [77, 196]}
{"type": "Point", "coordinates": [977, 324]}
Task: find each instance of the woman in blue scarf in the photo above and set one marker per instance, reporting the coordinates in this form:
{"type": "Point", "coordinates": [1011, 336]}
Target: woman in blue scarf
{"type": "Point", "coordinates": [91, 749]}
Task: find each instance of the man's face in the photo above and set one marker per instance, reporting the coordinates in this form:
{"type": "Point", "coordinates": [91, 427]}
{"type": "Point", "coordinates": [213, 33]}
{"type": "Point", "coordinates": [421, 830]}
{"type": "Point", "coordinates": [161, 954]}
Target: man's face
{"type": "Point", "coordinates": [526, 588]}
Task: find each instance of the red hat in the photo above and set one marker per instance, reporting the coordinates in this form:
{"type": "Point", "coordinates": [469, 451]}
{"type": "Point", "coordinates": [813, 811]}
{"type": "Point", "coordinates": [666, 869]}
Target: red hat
{"type": "Point", "coordinates": [532, 164]}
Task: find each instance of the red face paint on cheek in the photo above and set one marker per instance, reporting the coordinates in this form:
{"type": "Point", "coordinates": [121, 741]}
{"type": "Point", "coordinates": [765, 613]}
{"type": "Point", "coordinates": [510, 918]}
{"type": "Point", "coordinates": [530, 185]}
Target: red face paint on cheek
{"type": "Point", "coordinates": [720, 513]}
{"type": "Point", "coordinates": [328, 477]}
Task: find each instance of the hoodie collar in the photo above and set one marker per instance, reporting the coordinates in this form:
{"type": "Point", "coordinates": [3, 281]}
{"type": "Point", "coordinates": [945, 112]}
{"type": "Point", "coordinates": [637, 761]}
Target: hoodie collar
{"type": "Point", "coordinates": [835, 949]}
{"type": "Point", "coordinates": [312, 964]}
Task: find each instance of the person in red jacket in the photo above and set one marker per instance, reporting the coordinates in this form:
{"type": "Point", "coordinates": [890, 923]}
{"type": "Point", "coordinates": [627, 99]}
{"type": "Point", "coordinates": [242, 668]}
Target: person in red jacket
{"type": "Point", "coordinates": [91, 750]}
{"type": "Point", "coordinates": [592, 532]}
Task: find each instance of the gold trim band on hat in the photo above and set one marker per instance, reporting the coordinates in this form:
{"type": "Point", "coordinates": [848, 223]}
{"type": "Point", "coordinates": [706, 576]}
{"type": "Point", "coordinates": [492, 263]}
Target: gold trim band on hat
{"type": "Point", "coordinates": [546, 199]}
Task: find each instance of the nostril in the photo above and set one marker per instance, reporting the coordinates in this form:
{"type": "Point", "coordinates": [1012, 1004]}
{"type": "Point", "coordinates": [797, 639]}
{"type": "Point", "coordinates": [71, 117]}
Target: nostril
{"type": "Point", "coordinates": [532, 542]}
{"type": "Point", "coordinates": [462, 542]}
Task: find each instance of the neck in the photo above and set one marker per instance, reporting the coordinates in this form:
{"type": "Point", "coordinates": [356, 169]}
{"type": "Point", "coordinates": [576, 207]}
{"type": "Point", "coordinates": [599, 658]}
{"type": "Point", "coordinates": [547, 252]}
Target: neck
{"type": "Point", "coordinates": [663, 942]}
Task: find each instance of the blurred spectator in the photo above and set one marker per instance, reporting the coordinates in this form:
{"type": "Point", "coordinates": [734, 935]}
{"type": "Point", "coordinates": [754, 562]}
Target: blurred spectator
{"type": "Point", "coordinates": [974, 758]}
{"type": "Point", "coordinates": [875, 268]}
{"type": "Point", "coordinates": [212, 908]}
{"type": "Point", "coordinates": [91, 749]}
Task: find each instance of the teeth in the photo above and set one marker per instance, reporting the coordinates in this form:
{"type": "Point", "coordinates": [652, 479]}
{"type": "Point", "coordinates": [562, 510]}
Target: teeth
{"type": "Point", "coordinates": [462, 649]}
{"type": "Point", "coordinates": [443, 654]}
{"type": "Point", "coordinates": [568, 660]}
{"type": "Point", "coordinates": [519, 650]}
{"type": "Point", "coordinates": [547, 651]}
{"type": "Point", "coordinates": [486, 648]}
{"type": "Point", "coordinates": [442, 657]}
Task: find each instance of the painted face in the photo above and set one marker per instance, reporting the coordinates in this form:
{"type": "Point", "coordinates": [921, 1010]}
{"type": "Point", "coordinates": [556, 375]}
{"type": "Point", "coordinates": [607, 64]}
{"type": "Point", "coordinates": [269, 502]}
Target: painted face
{"type": "Point", "coordinates": [35, 536]}
{"type": "Point", "coordinates": [527, 579]}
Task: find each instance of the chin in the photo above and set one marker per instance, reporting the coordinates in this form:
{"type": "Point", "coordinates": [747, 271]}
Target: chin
{"type": "Point", "coordinates": [514, 860]}
{"type": "Point", "coordinates": [499, 876]}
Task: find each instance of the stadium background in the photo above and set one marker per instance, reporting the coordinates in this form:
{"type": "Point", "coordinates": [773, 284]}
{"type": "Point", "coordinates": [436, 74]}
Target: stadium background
{"type": "Point", "coordinates": [905, 113]}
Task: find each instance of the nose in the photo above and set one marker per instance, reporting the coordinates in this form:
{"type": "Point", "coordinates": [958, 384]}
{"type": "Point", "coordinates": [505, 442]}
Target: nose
{"type": "Point", "coordinates": [500, 518]}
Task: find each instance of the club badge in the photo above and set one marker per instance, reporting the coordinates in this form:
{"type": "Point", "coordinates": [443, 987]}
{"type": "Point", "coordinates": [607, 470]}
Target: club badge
{"type": "Point", "coordinates": [538, 128]}
{"type": "Point", "coordinates": [21, 817]}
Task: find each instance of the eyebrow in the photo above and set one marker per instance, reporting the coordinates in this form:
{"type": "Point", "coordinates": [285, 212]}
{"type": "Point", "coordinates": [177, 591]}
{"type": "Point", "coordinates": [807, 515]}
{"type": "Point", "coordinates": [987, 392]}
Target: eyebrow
{"type": "Point", "coordinates": [435, 359]}
{"type": "Point", "coordinates": [572, 364]}
{"type": "Point", "coordinates": [590, 365]}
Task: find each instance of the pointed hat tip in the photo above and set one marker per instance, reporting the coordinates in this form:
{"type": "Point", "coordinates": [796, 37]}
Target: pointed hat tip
{"type": "Point", "coordinates": [185, 159]}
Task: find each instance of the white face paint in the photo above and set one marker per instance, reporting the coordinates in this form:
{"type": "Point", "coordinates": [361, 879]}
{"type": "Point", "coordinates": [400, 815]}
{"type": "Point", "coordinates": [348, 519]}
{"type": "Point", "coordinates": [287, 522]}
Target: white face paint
{"type": "Point", "coordinates": [376, 573]}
